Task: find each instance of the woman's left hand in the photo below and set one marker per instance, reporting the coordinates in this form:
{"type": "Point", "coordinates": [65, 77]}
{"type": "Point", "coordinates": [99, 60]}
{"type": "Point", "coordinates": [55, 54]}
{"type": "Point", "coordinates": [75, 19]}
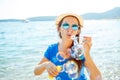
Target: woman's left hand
{"type": "Point", "coordinates": [89, 64]}
{"type": "Point", "coordinates": [87, 43]}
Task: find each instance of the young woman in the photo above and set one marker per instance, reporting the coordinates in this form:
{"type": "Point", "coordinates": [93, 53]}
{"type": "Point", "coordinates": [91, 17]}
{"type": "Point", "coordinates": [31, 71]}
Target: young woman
{"type": "Point", "coordinates": [59, 54]}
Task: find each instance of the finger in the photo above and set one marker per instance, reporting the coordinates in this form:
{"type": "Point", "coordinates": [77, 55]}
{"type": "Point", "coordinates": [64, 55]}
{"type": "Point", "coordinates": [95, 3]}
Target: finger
{"type": "Point", "coordinates": [87, 39]}
{"type": "Point", "coordinates": [55, 71]}
{"type": "Point", "coordinates": [52, 72]}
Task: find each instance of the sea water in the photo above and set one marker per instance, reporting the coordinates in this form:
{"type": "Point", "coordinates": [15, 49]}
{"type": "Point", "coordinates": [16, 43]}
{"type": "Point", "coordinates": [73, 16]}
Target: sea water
{"type": "Point", "coordinates": [22, 46]}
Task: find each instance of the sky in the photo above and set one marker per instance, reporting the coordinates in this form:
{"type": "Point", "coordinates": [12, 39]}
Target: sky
{"type": "Point", "coordinates": [21, 9]}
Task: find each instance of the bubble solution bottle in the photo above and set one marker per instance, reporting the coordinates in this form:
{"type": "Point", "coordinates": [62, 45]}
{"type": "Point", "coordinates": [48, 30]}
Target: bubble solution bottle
{"type": "Point", "coordinates": [59, 68]}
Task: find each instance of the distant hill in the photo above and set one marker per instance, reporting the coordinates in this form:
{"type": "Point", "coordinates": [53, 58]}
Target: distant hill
{"type": "Point", "coordinates": [111, 14]}
{"type": "Point", "coordinates": [42, 18]}
{"type": "Point", "coordinates": [10, 20]}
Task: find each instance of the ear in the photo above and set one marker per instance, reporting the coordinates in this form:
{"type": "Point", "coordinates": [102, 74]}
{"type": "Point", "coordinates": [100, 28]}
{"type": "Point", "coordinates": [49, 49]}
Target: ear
{"type": "Point", "coordinates": [58, 28]}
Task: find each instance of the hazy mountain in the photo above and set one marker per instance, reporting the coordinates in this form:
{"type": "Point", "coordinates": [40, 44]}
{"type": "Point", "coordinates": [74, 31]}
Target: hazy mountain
{"type": "Point", "coordinates": [42, 18]}
{"type": "Point", "coordinates": [111, 14]}
{"type": "Point", "coordinates": [10, 20]}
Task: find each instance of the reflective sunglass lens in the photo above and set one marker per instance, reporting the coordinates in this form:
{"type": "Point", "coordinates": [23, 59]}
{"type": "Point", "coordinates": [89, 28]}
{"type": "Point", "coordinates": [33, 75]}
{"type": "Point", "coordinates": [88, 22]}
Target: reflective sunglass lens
{"type": "Point", "coordinates": [75, 27]}
{"type": "Point", "coordinates": [65, 26]}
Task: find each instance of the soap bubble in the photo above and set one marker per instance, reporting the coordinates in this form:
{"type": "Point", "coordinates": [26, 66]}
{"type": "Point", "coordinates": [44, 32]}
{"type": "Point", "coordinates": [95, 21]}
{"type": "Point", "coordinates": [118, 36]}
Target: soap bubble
{"type": "Point", "coordinates": [72, 69]}
{"type": "Point", "coordinates": [59, 57]}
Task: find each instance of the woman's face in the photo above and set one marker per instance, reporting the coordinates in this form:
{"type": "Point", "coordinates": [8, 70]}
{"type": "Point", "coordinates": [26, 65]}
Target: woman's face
{"type": "Point", "coordinates": [69, 27]}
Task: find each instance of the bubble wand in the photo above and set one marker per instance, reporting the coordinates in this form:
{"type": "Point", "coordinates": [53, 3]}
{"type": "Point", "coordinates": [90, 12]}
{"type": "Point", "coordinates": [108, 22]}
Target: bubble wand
{"type": "Point", "coordinates": [77, 50]}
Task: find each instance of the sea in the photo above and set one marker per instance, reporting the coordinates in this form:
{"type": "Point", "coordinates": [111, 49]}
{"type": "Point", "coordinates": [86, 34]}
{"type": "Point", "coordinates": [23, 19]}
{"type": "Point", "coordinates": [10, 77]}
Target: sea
{"type": "Point", "coordinates": [22, 46]}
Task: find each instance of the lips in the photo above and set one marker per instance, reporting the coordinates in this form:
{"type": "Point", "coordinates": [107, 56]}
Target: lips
{"type": "Point", "coordinates": [69, 35]}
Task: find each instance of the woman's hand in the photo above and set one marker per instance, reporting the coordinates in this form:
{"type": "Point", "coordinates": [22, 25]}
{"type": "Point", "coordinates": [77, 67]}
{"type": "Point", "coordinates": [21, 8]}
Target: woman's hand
{"type": "Point", "coordinates": [51, 69]}
{"type": "Point", "coordinates": [89, 64]}
{"type": "Point", "coordinates": [87, 43]}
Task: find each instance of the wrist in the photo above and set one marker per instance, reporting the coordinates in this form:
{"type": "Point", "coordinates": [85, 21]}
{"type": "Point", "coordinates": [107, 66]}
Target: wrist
{"type": "Point", "coordinates": [87, 55]}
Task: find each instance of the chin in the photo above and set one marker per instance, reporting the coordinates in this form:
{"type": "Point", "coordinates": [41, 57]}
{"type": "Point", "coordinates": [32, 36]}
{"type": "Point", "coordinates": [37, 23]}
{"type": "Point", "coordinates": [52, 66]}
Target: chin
{"type": "Point", "coordinates": [68, 37]}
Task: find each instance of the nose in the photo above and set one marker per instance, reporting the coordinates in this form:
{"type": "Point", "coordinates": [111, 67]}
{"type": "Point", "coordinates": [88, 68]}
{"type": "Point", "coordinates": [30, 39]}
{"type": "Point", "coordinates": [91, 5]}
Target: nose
{"type": "Point", "coordinates": [70, 29]}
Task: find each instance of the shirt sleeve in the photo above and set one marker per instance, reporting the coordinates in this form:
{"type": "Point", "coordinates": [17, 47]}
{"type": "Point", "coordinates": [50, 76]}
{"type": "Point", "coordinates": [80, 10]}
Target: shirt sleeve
{"type": "Point", "coordinates": [47, 53]}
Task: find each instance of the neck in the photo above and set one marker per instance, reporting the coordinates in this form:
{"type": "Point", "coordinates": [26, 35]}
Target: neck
{"type": "Point", "coordinates": [65, 44]}
{"type": "Point", "coordinates": [64, 47]}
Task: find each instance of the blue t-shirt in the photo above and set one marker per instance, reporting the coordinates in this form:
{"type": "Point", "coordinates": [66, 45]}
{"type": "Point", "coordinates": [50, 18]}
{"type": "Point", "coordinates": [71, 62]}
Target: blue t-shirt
{"type": "Point", "coordinates": [51, 53]}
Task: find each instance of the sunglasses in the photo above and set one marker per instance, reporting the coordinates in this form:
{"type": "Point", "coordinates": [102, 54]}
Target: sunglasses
{"type": "Point", "coordinates": [74, 26]}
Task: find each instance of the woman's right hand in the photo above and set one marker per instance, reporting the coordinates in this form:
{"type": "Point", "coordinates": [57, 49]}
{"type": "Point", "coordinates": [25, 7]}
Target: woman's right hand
{"type": "Point", "coordinates": [51, 69]}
